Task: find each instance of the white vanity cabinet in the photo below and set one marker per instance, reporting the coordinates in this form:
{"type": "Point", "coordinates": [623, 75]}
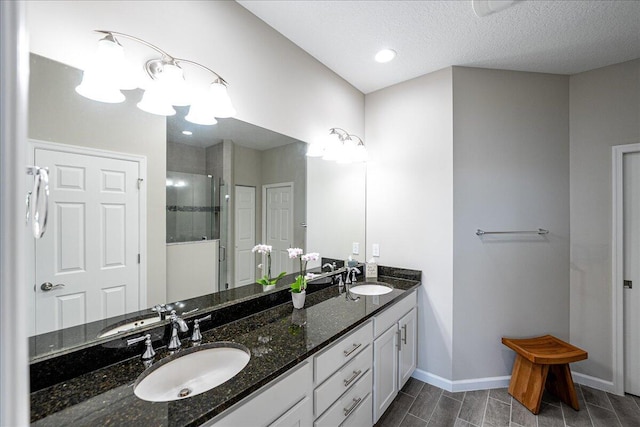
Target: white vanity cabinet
{"type": "Point", "coordinates": [344, 381]}
{"type": "Point", "coordinates": [394, 352]}
{"type": "Point", "coordinates": [285, 402]}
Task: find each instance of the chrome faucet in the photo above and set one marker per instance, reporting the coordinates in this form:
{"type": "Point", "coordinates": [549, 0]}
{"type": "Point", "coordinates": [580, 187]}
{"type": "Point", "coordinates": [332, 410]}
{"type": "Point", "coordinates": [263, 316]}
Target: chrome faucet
{"type": "Point", "coordinates": [351, 275]}
{"type": "Point", "coordinates": [176, 323]}
{"type": "Point", "coordinates": [161, 309]}
{"type": "Point", "coordinates": [196, 336]}
{"type": "Point", "coordinates": [148, 352]}
{"type": "Point", "coordinates": [331, 266]}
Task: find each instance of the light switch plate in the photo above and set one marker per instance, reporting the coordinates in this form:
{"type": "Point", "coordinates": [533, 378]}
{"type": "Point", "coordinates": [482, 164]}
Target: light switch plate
{"type": "Point", "coordinates": [356, 248]}
{"type": "Point", "coordinates": [376, 249]}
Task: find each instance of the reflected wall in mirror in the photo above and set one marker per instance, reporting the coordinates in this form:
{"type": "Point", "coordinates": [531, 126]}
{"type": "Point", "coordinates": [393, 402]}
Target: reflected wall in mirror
{"type": "Point", "coordinates": [245, 162]}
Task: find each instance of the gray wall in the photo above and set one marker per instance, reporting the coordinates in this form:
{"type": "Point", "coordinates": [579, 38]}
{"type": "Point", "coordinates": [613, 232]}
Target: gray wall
{"type": "Point", "coordinates": [510, 158]}
{"type": "Point", "coordinates": [605, 111]}
{"type": "Point", "coordinates": [409, 136]}
{"type": "Point", "coordinates": [58, 114]}
{"type": "Point", "coordinates": [186, 158]}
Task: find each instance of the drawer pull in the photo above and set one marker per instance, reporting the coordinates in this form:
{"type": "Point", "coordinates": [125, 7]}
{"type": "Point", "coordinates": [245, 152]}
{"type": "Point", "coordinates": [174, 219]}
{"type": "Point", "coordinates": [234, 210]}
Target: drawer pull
{"type": "Point", "coordinates": [353, 377]}
{"type": "Point", "coordinates": [404, 332]}
{"type": "Point", "coordinates": [354, 405]}
{"type": "Point", "coordinates": [355, 347]}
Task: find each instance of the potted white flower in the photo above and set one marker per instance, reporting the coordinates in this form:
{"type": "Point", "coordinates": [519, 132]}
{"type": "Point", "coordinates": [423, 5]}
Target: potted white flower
{"type": "Point", "coordinates": [266, 281]}
{"type": "Point", "coordinates": [298, 288]}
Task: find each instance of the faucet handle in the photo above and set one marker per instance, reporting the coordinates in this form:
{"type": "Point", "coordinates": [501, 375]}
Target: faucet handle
{"type": "Point", "coordinates": [196, 336]}
{"type": "Point", "coordinates": [148, 352]}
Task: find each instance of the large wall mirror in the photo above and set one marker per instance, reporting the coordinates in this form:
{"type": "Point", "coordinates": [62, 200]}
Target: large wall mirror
{"type": "Point", "coordinates": [200, 198]}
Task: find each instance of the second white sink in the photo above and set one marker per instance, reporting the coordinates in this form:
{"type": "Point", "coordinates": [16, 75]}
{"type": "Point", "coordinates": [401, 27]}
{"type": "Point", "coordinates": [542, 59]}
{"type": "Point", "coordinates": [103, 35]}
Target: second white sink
{"type": "Point", "coordinates": [370, 288]}
{"type": "Point", "coordinates": [192, 371]}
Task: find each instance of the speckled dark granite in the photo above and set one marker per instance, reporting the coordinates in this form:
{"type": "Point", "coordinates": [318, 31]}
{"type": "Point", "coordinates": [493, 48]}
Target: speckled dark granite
{"type": "Point", "coordinates": [56, 343]}
{"type": "Point", "coordinates": [274, 336]}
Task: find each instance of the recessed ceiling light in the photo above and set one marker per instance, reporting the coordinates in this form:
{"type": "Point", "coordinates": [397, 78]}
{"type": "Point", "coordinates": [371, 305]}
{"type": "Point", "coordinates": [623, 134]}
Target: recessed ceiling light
{"type": "Point", "coordinates": [385, 55]}
{"type": "Point", "coordinates": [187, 132]}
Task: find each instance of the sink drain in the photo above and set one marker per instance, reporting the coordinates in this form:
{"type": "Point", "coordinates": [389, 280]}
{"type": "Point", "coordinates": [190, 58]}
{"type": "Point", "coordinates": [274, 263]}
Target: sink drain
{"type": "Point", "coordinates": [184, 392]}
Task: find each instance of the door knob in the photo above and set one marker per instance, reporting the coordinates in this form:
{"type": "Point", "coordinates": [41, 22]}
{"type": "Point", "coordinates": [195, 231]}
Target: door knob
{"type": "Point", "coordinates": [48, 286]}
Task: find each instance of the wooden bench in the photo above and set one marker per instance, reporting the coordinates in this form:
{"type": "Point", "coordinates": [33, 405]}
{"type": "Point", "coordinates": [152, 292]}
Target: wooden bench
{"type": "Point", "coordinates": [543, 362]}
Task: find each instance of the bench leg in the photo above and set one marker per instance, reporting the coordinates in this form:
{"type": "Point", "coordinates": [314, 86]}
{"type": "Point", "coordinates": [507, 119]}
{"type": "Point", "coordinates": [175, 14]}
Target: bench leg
{"type": "Point", "coordinates": [527, 383]}
{"type": "Point", "coordinates": [560, 383]}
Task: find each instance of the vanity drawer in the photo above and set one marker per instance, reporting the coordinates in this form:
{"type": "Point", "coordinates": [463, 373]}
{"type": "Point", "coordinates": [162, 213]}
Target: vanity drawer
{"type": "Point", "coordinates": [361, 416]}
{"type": "Point", "coordinates": [343, 351]}
{"type": "Point", "coordinates": [343, 380]}
{"type": "Point", "coordinates": [391, 315]}
{"type": "Point", "coordinates": [349, 404]}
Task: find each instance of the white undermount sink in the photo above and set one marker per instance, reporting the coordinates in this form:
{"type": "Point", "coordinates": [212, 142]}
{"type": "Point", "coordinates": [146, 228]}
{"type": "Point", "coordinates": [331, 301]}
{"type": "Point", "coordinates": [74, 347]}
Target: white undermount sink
{"type": "Point", "coordinates": [191, 372]}
{"type": "Point", "coordinates": [370, 288]}
{"type": "Point", "coordinates": [128, 327]}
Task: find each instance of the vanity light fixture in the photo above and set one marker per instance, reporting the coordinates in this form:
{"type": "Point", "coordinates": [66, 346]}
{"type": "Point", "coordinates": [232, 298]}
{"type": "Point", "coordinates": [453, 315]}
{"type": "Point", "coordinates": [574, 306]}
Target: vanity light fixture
{"type": "Point", "coordinates": [340, 146]}
{"type": "Point", "coordinates": [108, 74]}
{"type": "Point", "coordinates": [187, 132]}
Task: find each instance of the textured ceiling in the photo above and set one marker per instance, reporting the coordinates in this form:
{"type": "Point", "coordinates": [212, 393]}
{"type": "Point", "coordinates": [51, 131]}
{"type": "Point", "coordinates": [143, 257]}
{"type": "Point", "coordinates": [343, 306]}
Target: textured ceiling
{"type": "Point", "coordinates": [563, 37]}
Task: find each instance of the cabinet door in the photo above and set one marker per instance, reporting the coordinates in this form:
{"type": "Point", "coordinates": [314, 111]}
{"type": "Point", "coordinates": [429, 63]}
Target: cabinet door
{"type": "Point", "coordinates": [408, 346]}
{"type": "Point", "coordinates": [300, 415]}
{"type": "Point", "coordinates": [385, 374]}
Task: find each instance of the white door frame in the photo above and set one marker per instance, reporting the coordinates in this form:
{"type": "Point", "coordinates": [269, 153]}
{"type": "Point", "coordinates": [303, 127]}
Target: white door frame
{"type": "Point", "coordinates": [14, 82]}
{"type": "Point", "coordinates": [617, 258]}
{"type": "Point", "coordinates": [264, 206]}
{"type": "Point", "coordinates": [142, 200]}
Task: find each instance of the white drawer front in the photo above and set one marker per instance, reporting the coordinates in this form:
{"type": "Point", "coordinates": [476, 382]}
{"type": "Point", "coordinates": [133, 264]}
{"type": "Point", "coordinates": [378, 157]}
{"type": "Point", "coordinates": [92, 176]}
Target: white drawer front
{"type": "Point", "coordinates": [263, 407]}
{"type": "Point", "coordinates": [361, 416]}
{"type": "Point", "coordinates": [349, 403]}
{"type": "Point", "coordinates": [391, 315]}
{"type": "Point", "coordinates": [343, 351]}
{"type": "Point", "coordinates": [343, 380]}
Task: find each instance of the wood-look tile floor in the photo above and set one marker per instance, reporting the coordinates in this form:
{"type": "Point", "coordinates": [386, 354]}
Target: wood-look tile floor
{"type": "Point", "coordinates": [420, 404]}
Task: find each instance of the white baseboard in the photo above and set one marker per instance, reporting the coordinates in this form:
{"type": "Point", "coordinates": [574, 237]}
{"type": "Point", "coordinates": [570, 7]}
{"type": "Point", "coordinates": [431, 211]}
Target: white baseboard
{"type": "Point", "coordinates": [501, 382]}
{"type": "Point", "coordinates": [462, 385]}
{"type": "Point", "coordinates": [433, 379]}
{"type": "Point", "coordinates": [594, 382]}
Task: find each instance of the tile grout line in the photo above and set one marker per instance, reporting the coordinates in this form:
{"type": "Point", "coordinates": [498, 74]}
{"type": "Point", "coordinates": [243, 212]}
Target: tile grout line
{"type": "Point", "coordinates": [484, 414]}
{"type": "Point", "coordinates": [510, 409]}
{"type": "Point", "coordinates": [409, 408]}
{"type": "Point", "coordinates": [435, 407]}
{"type": "Point", "coordinates": [614, 409]}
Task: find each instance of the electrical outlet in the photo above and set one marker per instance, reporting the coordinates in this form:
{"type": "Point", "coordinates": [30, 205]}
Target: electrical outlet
{"type": "Point", "coordinates": [356, 248]}
{"type": "Point", "coordinates": [376, 249]}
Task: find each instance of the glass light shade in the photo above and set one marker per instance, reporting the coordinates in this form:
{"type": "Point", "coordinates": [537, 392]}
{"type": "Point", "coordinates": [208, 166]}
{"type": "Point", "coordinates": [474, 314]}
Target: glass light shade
{"type": "Point", "coordinates": [93, 87]}
{"type": "Point", "coordinates": [102, 78]}
{"type": "Point", "coordinates": [333, 149]}
{"type": "Point", "coordinates": [361, 154]}
{"type": "Point", "coordinates": [315, 149]}
{"type": "Point", "coordinates": [171, 82]}
{"type": "Point", "coordinates": [201, 112]}
{"type": "Point", "coordinates": [221, 103]}
{"type": "Point", "coordinates": [153, 101]}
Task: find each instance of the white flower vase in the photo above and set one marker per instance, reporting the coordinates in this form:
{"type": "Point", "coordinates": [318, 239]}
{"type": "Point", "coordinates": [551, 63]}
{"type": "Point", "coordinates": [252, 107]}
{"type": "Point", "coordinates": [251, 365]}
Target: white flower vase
{"type": "Point", "coordinates": [298, 299]}
{"type": "Point", "coordinates": [268, 288]}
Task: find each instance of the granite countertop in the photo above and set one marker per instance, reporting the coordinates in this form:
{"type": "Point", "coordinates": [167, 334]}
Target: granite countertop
{"type": "Point", "coordinates": [275, 338]}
